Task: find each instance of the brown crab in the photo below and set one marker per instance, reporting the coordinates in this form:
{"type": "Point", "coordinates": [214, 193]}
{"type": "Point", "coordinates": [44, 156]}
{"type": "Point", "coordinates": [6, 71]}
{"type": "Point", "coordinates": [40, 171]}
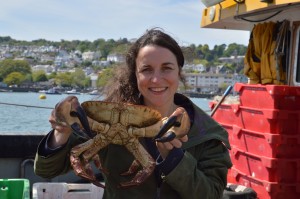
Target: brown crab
{"type": "Point", "coordinates": [116, 123]}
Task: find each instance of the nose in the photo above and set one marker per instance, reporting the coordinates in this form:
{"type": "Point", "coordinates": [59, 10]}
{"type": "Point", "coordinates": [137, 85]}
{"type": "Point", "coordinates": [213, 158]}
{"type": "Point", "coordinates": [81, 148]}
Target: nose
{"type": "Point", "coordinates": [156, 76]}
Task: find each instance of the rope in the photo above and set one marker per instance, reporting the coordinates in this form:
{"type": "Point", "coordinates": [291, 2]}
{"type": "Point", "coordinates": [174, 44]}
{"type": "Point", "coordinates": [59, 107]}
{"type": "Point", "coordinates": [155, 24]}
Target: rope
{"type": "Point", "coordinates": [23, 105]}
{"type": "Point", "coordinates": [43, 107]}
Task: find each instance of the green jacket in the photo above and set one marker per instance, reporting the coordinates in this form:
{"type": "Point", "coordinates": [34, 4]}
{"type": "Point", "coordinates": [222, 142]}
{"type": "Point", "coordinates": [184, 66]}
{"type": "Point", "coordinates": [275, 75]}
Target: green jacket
{"type": "Point", "coordinates": [201, 173]}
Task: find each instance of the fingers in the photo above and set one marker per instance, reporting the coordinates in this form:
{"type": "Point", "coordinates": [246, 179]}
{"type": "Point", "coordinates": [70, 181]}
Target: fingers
{"type": "Point", "coordinates": [179, 111]}
{"type": "Point", "coordinates": [59, 126]}
{"type": "Point", "coordinates": [184, 138]}
{"type": "Point", "coordinates": [177, 143]}
{"type": "Point", "coordinates": [178, 123]}
{"type": "Point", "coordinates": [181, 133]}
{"type": "Point", "coordinates": [164, 148]}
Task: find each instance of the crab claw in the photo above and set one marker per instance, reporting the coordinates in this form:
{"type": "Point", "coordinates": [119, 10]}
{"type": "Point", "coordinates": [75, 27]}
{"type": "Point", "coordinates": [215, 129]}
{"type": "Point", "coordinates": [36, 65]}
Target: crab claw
{"type": "Point", "coordinates": [80, 113]}
{"type": "Point", "coordinates": [169, 137]}
{"type": "Point", "coordinates": [172, 121]}
{"type": "Point", "coordinates": [68, 111]}
{"type": "Point", "coordinates": [172, 126]}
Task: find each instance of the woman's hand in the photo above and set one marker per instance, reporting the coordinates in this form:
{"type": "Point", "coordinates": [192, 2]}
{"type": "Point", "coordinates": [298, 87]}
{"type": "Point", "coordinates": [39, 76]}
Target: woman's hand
{"type": "Point", "coordinates": [165, 147]}
{"type": "Point", "coordinates": [181, 133]}
{"type": "Point", "coordinates": [61, 133]}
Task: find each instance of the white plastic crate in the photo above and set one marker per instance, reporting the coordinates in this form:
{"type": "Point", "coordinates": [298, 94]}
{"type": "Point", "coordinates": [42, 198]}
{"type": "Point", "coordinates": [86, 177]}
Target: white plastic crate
{"type": "Point", "coordinates": [66, 191]}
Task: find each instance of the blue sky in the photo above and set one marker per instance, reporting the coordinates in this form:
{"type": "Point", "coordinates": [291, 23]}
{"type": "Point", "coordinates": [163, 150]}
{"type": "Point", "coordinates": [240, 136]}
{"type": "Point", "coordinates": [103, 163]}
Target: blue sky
{"type": "Point", "coordinates": [111, 19]}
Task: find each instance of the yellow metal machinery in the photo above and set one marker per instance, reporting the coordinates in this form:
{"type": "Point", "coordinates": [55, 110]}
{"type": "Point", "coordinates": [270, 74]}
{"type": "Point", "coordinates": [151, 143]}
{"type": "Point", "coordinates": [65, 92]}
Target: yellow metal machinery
{"type": "Point", "coordinates": [243, 14]}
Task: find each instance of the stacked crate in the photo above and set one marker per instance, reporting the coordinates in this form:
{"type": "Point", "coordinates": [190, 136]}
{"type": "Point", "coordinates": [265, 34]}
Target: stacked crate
{"type": "Point", "coordinates": [61, 190]}
{"type": "Point", "coordinates": [14, 188]}
{"type": "Point", "coordinates": [265, 139]}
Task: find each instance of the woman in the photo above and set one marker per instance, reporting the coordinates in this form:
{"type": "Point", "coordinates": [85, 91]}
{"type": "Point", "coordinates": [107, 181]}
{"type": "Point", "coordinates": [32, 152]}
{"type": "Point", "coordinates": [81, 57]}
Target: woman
{"type": "Point", "coordinates": [194, 166]}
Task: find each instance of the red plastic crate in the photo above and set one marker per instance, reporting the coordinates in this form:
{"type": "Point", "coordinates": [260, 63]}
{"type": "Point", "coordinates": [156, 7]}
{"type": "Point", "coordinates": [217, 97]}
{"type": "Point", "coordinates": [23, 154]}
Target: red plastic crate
{"type": "Point", "coordinates": [230, 177]}
{"type": "Point", "coordinates": [272, 121]}
{"type": "Point", "coordinates": [266, 144]}
{"type": "Point", "coordinates": [281, 170]}
{"type": "Point", "coordinates": [269, 96]}
{"type": "Point", "coordinates": [224, 114]}
{"type": "Point", "coordinates": [265, 189]}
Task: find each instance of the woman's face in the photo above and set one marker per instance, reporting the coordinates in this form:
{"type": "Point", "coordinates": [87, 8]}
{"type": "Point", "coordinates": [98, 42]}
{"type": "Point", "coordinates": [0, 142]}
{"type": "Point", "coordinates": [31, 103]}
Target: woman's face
{"type": "Point", "coordinates": [157, 73]}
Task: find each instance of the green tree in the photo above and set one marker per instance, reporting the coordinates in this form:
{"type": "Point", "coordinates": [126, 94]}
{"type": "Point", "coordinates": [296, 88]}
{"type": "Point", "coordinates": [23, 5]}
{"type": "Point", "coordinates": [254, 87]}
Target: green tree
{"type": "Point", "coordinates": [235, 49]}
{"type": "Point", "coordinates": [14, 78]}
{"type": "Point", "coordinates": [121, 48]}
{"type": "Point", "coordinates": [8, 66]}
{"type": "Point", "coordinates": [5, 39]}
{"type": "Point", "coordinates": [79, 78]}
{"type": "Point", "coordinates": [39, 76]}
{"type": "Point", "coordinates": [98, 44]}
{"type": "Point", "coordinates": [84, 46]}
{"type": "Point", "coordinates": [104, 77]}
{"type": "Point", "coordinates": [63, 79]}
{"type": "Point", "coordinates": [219, 50]}
{"type": "Point", "coordinates": [107, 48]}
{"type": "Point", "coordinates": [52, 75]}
{"type": "Point", "coordinates": [189, 53]}
{"type": "Point", "coordinates": [207, 54]}
{"type": "Point", "coordinates": [40, 42]}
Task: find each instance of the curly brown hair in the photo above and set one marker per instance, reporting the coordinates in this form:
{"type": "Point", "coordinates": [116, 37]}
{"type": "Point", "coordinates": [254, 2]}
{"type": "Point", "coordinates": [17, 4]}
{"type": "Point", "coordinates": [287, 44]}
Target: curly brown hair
{"type": "Point", "coordinates": [123, 86]}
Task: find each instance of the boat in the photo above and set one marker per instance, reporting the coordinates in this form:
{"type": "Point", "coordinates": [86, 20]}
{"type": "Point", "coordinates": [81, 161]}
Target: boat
{"type": "Point", "coordinates": [94, 92]}
{"type": "Point", "coordinates": [73, 92]}
{"type": "Point", "coordinates": [264, 123]}
{"type": "Point", "coordinates": [42, 91]}
{"type": "Point", "coordinates": [53, 91]}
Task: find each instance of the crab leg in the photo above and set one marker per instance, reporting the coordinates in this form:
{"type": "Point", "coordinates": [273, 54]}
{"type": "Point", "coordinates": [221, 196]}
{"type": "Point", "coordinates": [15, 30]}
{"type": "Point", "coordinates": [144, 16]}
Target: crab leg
{"type": "Point", "coordinates": [82, 168]}
{"type": "Point", "coordinates": [91, 153]}
{"type": "Point", "coordinates": [132, 169]}
{"type": "Point", "coordinates": [145, 160]}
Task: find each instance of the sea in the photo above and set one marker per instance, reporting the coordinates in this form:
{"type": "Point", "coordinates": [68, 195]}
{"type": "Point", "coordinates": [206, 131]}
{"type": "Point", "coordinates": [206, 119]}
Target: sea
{"type": "Point", "coordinates": [27, 113]}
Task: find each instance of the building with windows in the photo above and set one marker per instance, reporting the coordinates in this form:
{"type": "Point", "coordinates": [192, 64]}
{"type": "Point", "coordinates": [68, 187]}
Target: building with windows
{"type": "Point", "coordinates": [208, 82]}
{"type": "Point", "coordinates": [115, 57]}
{"type": "Point", "coordinates": [90, 56]}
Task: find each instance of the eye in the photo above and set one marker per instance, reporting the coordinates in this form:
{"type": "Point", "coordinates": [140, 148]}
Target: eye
{"type": "Point", "coordinates": [167, 68]}
{"type": "Point", "coordinates": [145, 70]}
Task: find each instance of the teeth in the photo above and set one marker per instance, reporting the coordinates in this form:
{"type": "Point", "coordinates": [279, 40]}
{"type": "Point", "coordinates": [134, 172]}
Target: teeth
{"type": "Point", "coordinates": [158, 89]}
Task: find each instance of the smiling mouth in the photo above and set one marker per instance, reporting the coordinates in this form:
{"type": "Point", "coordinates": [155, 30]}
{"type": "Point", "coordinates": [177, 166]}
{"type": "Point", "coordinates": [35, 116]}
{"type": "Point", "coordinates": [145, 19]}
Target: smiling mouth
{"type": "Point", "coordinates": [158, 89]}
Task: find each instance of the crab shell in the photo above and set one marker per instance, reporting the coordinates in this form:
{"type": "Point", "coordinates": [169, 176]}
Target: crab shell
{"type": "Point", "coordinates": [126, 114]}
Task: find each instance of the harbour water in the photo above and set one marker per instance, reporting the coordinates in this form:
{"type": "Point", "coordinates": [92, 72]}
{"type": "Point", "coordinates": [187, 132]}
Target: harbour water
{"type": "Point", "coordinates": [15, 119]}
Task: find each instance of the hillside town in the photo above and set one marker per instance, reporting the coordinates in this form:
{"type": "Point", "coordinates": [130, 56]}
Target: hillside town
{"type": "Point", "coordinates": [51, 59]}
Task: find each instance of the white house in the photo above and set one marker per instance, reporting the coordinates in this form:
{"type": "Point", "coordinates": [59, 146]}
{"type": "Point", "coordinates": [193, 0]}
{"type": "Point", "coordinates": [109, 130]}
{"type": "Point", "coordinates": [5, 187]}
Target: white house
{"type": "Point", "coordinates": [89, 56]}
{"type": "Point", "coordinates": [232, 59]}
{"type": "Point", "coordinates": [47, 68]}
{"type": "Point", "coordinates": [195, 67]}
{"type": "Point", "coordinates": [115, 57]}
